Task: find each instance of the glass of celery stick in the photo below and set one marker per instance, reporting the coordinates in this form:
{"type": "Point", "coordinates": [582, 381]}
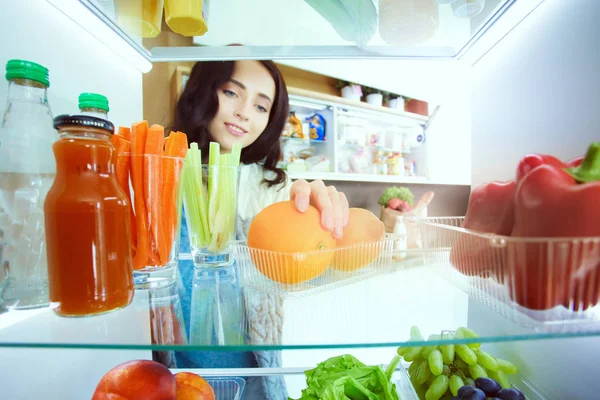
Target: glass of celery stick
{"type": "Point", "coordinates": [210, 194]}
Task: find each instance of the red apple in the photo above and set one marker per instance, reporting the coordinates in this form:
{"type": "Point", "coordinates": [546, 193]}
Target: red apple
{"type": "Point", "coordinates": [193, 387]}
{"type": "Point", "coordinates": [137, 380]}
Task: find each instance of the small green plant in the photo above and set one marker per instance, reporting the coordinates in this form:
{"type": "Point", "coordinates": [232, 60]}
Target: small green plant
{"type": "Point", "coordinates": [370, 90]}
{"type": "Point", "coordinates": [396, 192]}
{"type": "Point", "coordinates": [386, 96]}
{"type": "Point", "coordinates": [342, 84]}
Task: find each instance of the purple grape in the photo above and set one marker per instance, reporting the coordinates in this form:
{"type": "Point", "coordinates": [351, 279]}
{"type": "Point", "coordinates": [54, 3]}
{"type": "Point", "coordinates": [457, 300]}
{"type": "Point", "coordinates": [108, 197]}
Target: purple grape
{"type": "Point", "coordinates": [489, 386]}
{"type": "Point", "coordinates": [510, 394]}
{"type": "Point", "coordinates": [462, 390]}
{"type": "Point", "coordinates": [473, 394]}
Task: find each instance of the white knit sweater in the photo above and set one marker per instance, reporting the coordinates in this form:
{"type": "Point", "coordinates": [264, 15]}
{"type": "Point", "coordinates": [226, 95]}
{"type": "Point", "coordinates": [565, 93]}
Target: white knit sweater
{"type": "Point", "coordinates": [264, 312]}
{"type": "Point", "coordinates": [254, 195]}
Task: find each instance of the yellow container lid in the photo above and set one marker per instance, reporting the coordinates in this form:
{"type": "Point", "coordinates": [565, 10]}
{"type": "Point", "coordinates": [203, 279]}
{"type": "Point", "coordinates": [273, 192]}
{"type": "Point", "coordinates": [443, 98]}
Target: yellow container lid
{"type": "Point", "coordinates": [187, 17]}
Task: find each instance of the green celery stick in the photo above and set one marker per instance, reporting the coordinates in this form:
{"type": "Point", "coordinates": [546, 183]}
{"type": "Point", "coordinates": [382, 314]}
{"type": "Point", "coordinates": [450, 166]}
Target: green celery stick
{"type": "Point", "coordinates": [201, 194]}
{"type": "Point", "coordinates": [190, 201]}
{"type": "Point", "coordinates": [236, 153]}
{"type": "Point", "coordinates": [220, 230]}
{"type": "Point", "coordinates": [213, 182]}
{"type": "Point", "coordinates": [195, 158]}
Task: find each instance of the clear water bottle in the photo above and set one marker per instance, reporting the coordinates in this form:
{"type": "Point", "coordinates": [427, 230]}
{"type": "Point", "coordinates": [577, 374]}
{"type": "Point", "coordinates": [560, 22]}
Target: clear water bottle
{"type": "Point", "coordinates": [94, 105]}
{"type": "Point", "coordinates": [27, 169]}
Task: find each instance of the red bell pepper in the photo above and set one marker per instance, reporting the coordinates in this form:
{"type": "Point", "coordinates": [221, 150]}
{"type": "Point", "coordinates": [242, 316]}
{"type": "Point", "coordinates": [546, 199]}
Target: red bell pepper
{"type": "Point", "coordinates": [576, 162]}
{"type": "Point", "coordinates": [550, 203]}
{"type": "Point", "coordinates": [587, 170]}
{"type": "Point", "coordinates": [532, 161]}
{"type": "Point", "coordinates": [490, 210]}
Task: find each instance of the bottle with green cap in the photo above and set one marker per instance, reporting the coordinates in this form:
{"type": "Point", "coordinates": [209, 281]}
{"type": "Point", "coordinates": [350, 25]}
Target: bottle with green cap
{"type": "Point", "coordinates": [27, 170]}
{"type": "Point", "coordinates": [94, 105]}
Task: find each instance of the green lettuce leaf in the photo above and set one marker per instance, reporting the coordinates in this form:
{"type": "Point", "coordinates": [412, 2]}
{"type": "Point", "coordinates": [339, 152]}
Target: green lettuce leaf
{"type": "Point", "coordinates": [345, 377]}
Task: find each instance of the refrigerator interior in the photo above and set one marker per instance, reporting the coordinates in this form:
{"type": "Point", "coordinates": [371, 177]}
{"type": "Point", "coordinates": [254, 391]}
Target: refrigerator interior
{"type": "Point", "coordinates": [535, 90]}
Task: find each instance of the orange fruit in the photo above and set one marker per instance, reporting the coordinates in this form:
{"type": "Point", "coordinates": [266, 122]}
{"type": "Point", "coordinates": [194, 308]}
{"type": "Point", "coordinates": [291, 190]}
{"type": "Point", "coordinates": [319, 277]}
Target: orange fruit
{"type": "Point", "coordinates": [289, 246]}
{"type": "Point", "coordinates": [193, 387]}
{"type": "Point", "coordinates": [354, 251]}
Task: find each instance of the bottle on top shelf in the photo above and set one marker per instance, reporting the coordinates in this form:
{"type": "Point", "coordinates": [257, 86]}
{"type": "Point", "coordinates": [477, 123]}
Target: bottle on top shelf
{"type": "Point", "coordinates": [27, 169]}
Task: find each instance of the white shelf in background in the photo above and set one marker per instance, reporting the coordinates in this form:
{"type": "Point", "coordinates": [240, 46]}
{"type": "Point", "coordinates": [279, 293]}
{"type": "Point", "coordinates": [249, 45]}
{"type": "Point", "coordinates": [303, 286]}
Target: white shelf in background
{"type": "Point", "coordinates": [332, 176]}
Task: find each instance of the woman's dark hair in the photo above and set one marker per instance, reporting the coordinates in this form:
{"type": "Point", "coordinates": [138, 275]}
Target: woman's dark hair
{"type": "Point", "coordinates": [199, 103]}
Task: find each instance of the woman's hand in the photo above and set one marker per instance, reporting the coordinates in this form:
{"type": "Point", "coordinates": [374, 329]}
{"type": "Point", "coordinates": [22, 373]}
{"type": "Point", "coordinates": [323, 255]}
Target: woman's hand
{"type": "Point", "coordinates": [332, 204]}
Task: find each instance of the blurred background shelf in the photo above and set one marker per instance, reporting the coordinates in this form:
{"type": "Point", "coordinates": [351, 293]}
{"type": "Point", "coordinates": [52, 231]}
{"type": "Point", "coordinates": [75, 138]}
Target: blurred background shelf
{"type": "Point", "coordinates": [348, 177]}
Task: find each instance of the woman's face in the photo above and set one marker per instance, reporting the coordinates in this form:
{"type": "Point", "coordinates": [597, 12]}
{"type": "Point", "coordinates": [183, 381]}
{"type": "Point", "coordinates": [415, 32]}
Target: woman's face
{"type": "Point", "coordinates": [245, 102]}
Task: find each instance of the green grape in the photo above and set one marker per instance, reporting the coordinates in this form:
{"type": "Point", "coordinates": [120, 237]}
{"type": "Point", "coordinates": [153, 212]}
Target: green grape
{"type": "Point", "coordinates": [422, 372]}
{"type": "Point", "coordinates": [434, 337]}
{"type": "Point", "coordinates": [426, 350]}
{"type": "Point", "coordinates": [419, 389]}
{"type": "Point", "coordinates": [446, 370]}
{"type": "Point", "coordinates": [448, 353]}
{"type": "Point", "coordinates": [421, 392]}
{"type": "Point", "coordinates": [486, 360]}
{"type": "Point", "coordinates": [412, 366]}
{"type": "Point", "coordinates": [415, 333]}
{"type": "Point", "coordinates": [455, 383]}
{"type": "Point", "coordinates": [477, 371]}
{"type": "Point", "coordinates": [403, 350]}
{"type": "Point", "coordinates": [466, 354]}
{"type": "Point", "coordinates": [438, 388]}
{"type": "Point", "coordinates": [466, 333]}
{"type": "Point", "coordinates": [470, 382]}
{"type": "Point", "coordinates": [413, 354]}
{"type": "Point", "coordinates": [430, 380]}
{"type": "Point", "coordinates": [506, 366]}
{"type": "Point", "coordinates": [500, 377]}
{"type": "Point", "coordinates": [436, 365]}
{"type": "Point", "coordinates": [461, 365]}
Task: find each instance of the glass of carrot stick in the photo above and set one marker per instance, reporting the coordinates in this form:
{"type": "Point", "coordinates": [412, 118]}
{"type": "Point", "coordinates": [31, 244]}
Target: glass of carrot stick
{"type": "Point", "coordinates": [149, 169]}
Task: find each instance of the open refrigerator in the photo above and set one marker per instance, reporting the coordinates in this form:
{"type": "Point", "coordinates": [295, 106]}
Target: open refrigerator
{"type": "Point", "coordinates": [514, 77]}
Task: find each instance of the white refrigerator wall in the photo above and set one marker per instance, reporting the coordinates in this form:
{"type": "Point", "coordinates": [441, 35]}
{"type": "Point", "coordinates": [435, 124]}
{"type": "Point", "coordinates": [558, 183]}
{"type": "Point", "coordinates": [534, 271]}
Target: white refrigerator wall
{"type": "Point", "coordinates": [35, 30]}
{"type": "Point", "coordinates": [537, 91]}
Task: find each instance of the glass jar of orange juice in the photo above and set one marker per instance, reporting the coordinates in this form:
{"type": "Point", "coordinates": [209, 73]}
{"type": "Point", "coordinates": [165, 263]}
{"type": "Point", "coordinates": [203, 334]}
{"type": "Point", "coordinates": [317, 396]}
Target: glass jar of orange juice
{"type": "Point", "coordinates": [87, 222]}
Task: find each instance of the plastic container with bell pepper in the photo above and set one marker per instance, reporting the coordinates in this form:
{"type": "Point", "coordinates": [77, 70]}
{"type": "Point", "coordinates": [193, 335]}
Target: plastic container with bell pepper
{"type": "Point", "coordinates": [532, 244]}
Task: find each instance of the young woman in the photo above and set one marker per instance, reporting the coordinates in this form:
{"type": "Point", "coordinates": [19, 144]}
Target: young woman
{"type": "Point", "coordinates": [246, 102]}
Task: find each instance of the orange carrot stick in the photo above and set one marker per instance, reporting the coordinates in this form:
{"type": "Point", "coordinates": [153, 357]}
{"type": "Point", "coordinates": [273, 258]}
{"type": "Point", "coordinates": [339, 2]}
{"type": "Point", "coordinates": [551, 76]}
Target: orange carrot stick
{"type": "Point", "coordinates": [123, 168]}
{"type": "Point", "coordinates": [139, 132]}
{"type": "Point", "coordinates": [125, 132]}
{"type": "Point", "coordinates": [153, 189]}
{"type": "Point", "coordinates": [176, 146]}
